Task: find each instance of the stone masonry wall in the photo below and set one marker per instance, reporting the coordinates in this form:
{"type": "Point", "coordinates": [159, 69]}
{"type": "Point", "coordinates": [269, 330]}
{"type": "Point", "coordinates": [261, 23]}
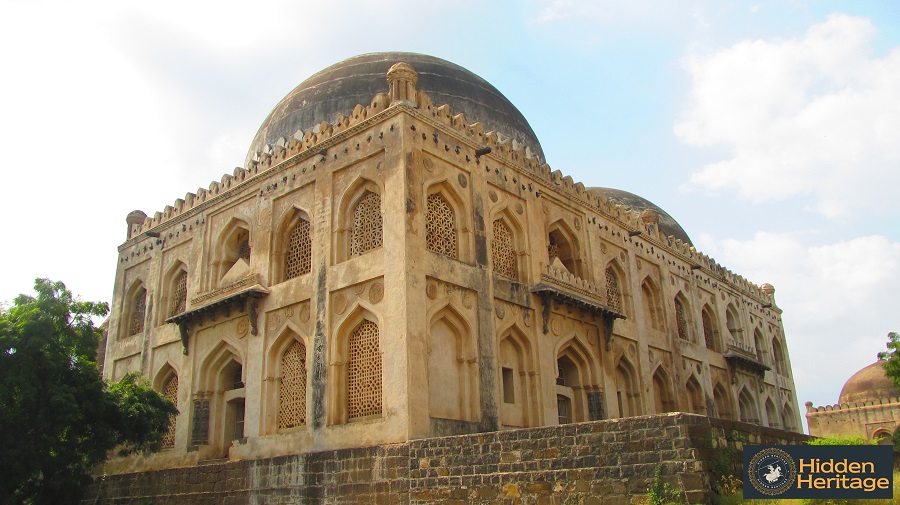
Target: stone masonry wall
{"type": "Point", "coordinates": [610, 462]}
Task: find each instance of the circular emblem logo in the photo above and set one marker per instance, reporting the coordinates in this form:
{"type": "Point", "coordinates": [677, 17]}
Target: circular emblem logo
{"type": "Point", "coordinates": [772, 471]}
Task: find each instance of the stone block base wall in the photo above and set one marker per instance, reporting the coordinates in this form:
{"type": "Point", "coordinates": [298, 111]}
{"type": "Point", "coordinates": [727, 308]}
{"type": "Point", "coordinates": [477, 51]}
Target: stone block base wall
{"type": "Point", "coordinates": [610, 462]}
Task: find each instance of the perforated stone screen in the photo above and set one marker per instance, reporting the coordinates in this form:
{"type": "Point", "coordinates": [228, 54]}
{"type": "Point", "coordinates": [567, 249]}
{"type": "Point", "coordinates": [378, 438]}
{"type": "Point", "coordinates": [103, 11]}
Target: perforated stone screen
{"type": "Point", "coordinates": [292, 395]}
{"type": "Point", "coordinates": [440, 227]}
{"type": "Point", "coordinates": [297, 259]}
{"type": "Point", "coordinates": [681, 320]}
{"type": "Point", "coordinates": [502, 253]}
{"type": "Point", "coordinates": [366, 233]}
{"type": "Point", "coordinates": [179, 294]}
{"type": "Point", "coordinates": [613, 298]}
{"type": "Point", "coordinates": [708, 333]}
{"type": "Point", "coordinates": [171, 393]}
{"type": "Point", "coordinates": [364, 372]}
{"type": "Point", "coordinates": [138, 312]}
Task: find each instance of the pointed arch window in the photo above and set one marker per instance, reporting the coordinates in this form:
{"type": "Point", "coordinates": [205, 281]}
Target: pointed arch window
{"type": "Point", "coordinates": [170, 392]}
{"type": "Point", "coordinates": [364, 371]}
{"type": "Point", "coordinates": [292, 392]}
{"type": "Point", "coordinates": [709, 330]}
{"type": "Point", "coordinates": [366, 233]}
{"type": "Point", "coordinates": [503, 255]}
{"type": "Point", "coordinates": [138, 312]}
{"type": "Point", "coordinates": [179, 293]}
{"type": "Point", "coordinates": [297, 261]}
{"type": "Point", "coordinates": [613, 296]}
{"type": "Point", "coordinates": [681, 320]}
{"type": "Point", "coordinates": [440, 227]}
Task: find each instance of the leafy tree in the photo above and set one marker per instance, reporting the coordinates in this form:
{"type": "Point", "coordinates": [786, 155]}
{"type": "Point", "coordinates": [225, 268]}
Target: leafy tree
{"type": "Point", "coordinates": [891, 358]}
{"type": "Point", "coordinates": [58, 418]}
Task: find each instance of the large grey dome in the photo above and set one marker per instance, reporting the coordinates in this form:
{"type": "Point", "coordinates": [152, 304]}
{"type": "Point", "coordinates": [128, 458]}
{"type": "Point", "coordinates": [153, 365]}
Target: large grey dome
{"type": "Point", "coordinates": [667, 224]}
{"type": "Point", "coordinates": [340, 87]}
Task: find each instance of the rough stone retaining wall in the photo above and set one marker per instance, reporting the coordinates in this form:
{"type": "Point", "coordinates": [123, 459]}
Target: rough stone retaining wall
{"type": "Point", "coordinates": [609, 462]}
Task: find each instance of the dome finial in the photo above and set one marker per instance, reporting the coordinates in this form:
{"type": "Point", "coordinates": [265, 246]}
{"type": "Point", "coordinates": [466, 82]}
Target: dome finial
{"type": "Point", "coordinates": [402, 80]}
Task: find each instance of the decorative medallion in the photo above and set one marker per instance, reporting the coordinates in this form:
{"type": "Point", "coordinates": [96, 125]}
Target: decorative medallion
{"type": "Point", "coordinates": [500, 310]}
{"type": "Point", "coordinates": [290, 311]}
{"type": "Point", "coordinates": [304, 312]}
{"type": "Point", "coordinates": [546, 208]}
{"type": "Point", "coordinates": [622, 255]}
{"type": "Point", "coordinates": [603, 247]}
{"type": "Point", "coordinates": [632, 350]}
{"type": "Point", "coordinates": [673, 280]}
{"type": "Point", "coordinates": [592, 335]}
{"type": "Point", "coordinates": [493, 196]}
{"type": "Point", "coordinates": [274, 322]}
{"type": "Point", "coordinates": [526, 318]}
{"type": "Point", "coordinates": [359, 288]}
{"type": "Point", "coordinates": [467, 300]}
{"type": "Point", "coordinates": [556, 325]}
{"type": "Point", "coordinates": [723, 295]}
{"type": "Point", "coordinates": [640, 264]}
{"type": "Point", "coordinates": [577, 223]}
{"type": "Point", "coordinates": [431, 290]}
{"type": "Point", "coordinates": [463, 182]}
{"type": "Point", "coordinates": [687, 286]}
{"type": "Point", "coordinates": [243, 325]}
{"type": "Point", "coordinates": [519, 208]}
{"type": "Point", "coordinates": [429, 165]}
{"type": "Point", "coordinates": [651, 355]}
{"type": "Point", "coordinates": [376, 292]}
{"type": "Point", "coordinates": [340, 303]}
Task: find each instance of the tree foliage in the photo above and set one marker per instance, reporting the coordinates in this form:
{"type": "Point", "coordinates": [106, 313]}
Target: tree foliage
{"type": "Point", "coordinates": [58, 418]}
{"type": "Point", "coordinates": [891, 358]}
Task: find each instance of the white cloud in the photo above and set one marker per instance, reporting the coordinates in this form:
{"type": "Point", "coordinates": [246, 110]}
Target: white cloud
{"type": "Point", "coordinates": [613, 12]}
{"type": "Point", "coordinates": [817, 115]}
{"type": "Point", "coordinates": [839, 301]}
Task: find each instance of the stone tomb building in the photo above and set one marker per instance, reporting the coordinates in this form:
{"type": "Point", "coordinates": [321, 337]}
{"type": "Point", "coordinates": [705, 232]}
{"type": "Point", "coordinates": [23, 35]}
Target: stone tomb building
{"type": "Point", "coordinates": [396, 261]}
{"type": "Point", "coordinates": [868, 407]}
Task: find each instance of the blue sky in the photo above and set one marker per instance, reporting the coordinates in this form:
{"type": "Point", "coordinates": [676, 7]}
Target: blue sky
{"type": "Point", "coordinates": [769, 130]}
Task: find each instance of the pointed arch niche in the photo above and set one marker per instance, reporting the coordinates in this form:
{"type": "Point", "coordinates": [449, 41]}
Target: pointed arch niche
{"type": "Point", "coordinates": [722, 402]}
{"type": "Point", "coordinates": [134, 310]}
{"type": "Point", "coordinates": [287, 381]}
{"type": "Point", "coordinates": [355, 369]}
{"type": "Point", "coordinates": [175, 292]}
{"type": "Point", "coordinates": [628, 394]}
{"type": "Point", "coordinates": [694, 399]}
{"type": "Point", "coordinates": [448, 228]}
{"type": "Point", "coordinates": [219, 402]}
{"type": "Point", "coordinates": [507, 246]}
{"type": "Point", "coordinates": [663, 397]}
{"type": "Point", "coordinates": [452, 367]}
{"type": "Point", "coordinates": [684, 323]}
{"type": "Point", "coordinates": [292, 251]}
{"type": "Point", "coordinates": [232, 253]}
{"type": "Point", "coordinates": [617, 295]}
{"type": "Point", "coordinates": [578, 394]}
{"type": "Point", "coordinates": [747, 407]}
{"type": "Point", "coordinates": [360, 223]}
{"type": "Point", "coordinates": [653, 311]}
{"type": "Point", "coordinates": [711, 329]}
{"type": "Point", "coordinates": [563, 249]}
{"type": "Point", "coordinates": [518, 380]}
{"type": "Point", "coordinates": [166, 383]}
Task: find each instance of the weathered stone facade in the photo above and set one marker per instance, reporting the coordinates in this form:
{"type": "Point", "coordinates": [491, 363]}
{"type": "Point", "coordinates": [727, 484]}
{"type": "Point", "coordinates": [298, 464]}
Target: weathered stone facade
{"type": "Point", "coordinates": [609, 462]}
{"type": "Point", "coordinates": [400, 273]}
